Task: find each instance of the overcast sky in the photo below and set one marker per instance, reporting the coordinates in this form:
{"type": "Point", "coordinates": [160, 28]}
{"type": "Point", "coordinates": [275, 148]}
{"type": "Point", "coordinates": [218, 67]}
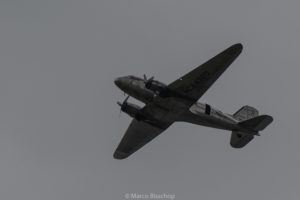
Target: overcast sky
{"type": "Point", "coordinates": [59, 121]}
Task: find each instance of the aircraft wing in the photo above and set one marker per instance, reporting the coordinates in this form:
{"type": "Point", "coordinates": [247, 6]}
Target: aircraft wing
{"type": "Point", "coordinates": [137, 135]}
{"type": "Point", "coordinates": [195, 83]}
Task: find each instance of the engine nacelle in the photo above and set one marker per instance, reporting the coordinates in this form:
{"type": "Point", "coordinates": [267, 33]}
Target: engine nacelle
{"type": "Point", "coordinates": [155, 86]}
{"type": "Point", "coordinates": [131, 109]}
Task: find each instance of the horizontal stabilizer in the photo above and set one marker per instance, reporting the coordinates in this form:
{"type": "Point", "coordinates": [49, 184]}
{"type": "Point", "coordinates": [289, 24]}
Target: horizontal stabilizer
{"type": "Point", "coordinates": [258, 123]}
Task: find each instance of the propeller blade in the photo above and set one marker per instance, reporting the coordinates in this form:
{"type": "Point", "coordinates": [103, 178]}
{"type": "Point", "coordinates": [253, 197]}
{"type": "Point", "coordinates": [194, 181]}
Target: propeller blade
{"type": "Point", "coordinates": [125, 101]}
{"type": "Point", "coordinates": [151, 79]}
{"type": "Point", "coordinates": [122, 105]}
{"type": "Point", "coordinates": [149, 82]}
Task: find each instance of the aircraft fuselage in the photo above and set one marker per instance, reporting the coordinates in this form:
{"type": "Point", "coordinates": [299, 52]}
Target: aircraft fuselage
{"type": "Point", "coordinates": [172, 108]}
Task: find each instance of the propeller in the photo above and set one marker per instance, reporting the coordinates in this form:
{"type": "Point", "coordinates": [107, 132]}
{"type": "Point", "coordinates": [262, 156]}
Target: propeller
{"type": "Point", "coordinates": [148, 82]}
{"type": "Point", "coordinates": [123, 104]}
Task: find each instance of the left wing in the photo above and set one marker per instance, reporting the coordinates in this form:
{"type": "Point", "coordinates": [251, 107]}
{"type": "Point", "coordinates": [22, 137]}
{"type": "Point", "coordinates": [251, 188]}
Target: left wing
{"type": "Point", "coordinates": [195, 83]}
{"type": "Point", "coordinates": [137, 135]}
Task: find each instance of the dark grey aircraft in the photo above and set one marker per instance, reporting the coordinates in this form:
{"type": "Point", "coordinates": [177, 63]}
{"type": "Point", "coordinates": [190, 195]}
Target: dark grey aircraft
{"type": "Point", "coordinates": [166, 104]}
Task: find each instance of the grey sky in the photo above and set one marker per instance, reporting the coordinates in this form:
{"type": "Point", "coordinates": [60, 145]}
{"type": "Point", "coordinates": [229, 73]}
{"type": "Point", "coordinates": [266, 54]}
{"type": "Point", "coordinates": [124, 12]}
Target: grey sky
{"type": "Point", "coordinates": [59, 119]}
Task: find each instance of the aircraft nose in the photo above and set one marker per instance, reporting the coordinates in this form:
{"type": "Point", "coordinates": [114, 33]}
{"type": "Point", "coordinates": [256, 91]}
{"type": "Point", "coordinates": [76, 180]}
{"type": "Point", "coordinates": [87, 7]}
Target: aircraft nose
{"type": "Point", "coordinates": [119, 82]}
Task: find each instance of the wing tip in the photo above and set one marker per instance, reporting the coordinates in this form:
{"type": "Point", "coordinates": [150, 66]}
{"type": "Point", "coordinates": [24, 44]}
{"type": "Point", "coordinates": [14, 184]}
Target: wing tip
{"type": "Point", "coordinates": [239, 45]}
{"type": "Point", "coordinates": [268, 118]}
{"type": "Point", "coordinates": [235, 49]}
{"type": "Point", "coordinates": [119, 155]}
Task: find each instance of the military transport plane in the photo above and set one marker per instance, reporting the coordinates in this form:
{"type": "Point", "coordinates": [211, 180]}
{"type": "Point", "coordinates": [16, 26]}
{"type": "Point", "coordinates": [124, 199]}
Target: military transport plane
{"type": "Point", "coordinates": [166, 104]}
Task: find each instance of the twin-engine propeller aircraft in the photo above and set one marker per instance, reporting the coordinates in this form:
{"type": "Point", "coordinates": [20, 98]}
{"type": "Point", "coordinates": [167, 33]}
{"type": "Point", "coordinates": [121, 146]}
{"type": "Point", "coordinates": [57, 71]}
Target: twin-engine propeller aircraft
{"type": "Point", "coordinates": [166, 104]}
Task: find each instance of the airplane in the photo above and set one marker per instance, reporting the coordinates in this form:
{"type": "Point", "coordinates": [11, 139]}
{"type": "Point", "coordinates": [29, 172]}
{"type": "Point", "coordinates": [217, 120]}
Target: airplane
{"type": "Point", "coordinates": [178, 102]}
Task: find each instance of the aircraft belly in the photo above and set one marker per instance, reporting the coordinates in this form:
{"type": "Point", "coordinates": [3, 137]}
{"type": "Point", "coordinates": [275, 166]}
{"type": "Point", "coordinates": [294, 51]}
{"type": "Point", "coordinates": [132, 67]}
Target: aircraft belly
{"type": "Point", "coordinates": [208, 120]}
{"type": "Point", "coordinates": [165, 109]}
{"type": "Point", "coordinates": [161, 114]}
{"type": "Point", "coordinates": [172, 104]}
{"type": "Point", "coordinates": [171, 109]}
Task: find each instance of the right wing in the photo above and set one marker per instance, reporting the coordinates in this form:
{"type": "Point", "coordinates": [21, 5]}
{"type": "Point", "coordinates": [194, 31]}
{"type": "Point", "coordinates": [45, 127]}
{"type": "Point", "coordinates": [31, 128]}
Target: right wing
{"type": "Point", "coordinates": [195, 83]}
{"type": "Point", "coordinates": [137, 135]}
